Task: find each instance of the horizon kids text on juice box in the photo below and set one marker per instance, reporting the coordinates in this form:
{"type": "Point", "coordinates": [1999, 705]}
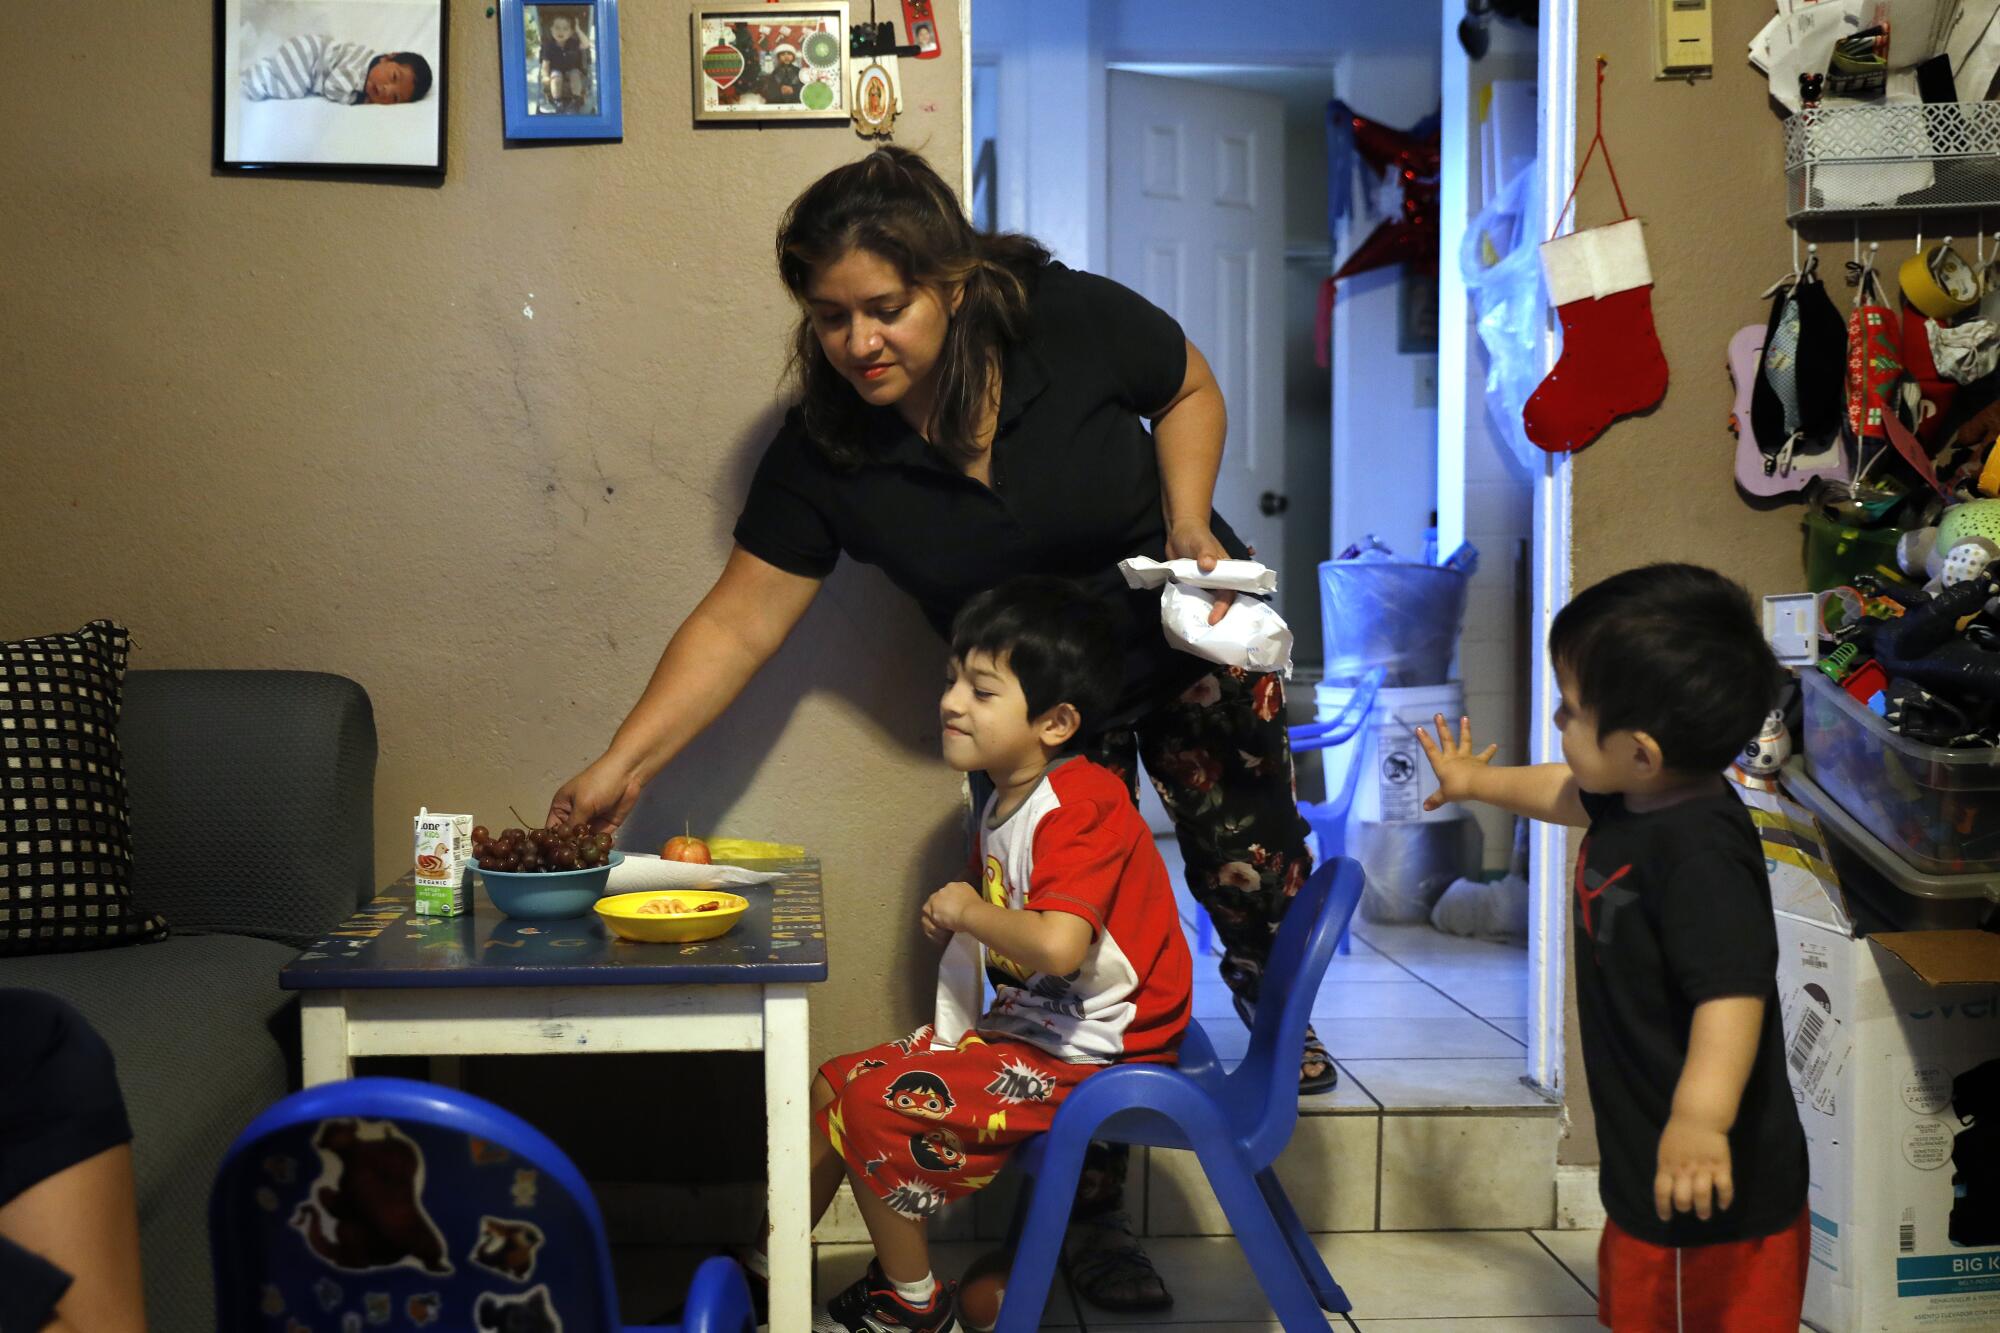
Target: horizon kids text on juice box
{"type": "Point", "coordinates": [444, 850]}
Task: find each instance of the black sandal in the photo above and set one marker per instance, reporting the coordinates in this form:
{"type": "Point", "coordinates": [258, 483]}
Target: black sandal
{"type": "Point", "coordinates": [1108, 1268]}
{"type": "Point", "coordinates": [1315, 1053]}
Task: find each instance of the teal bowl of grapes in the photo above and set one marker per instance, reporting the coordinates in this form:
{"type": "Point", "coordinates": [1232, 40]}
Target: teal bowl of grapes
{"type": "Point", "coordinates": [548, 895]}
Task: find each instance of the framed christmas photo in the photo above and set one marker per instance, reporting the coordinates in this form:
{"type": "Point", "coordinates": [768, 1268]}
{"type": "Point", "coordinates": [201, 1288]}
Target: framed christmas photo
{"type": "Point", "coordinates": [766, 62]}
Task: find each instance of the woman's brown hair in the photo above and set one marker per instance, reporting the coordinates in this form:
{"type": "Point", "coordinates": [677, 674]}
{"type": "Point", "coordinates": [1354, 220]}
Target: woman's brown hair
{"type": "Point", "coordinates": [892, 204]}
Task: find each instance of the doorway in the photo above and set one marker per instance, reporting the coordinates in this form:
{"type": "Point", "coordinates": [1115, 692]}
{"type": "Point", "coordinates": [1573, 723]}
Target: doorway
{"type": "Point", "coordinates": [1368, 457]}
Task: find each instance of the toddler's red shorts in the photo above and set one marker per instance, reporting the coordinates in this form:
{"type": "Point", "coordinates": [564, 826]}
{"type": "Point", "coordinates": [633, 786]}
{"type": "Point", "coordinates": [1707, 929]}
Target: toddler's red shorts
{"type": "Point", "coordinates": [1742, 1286]}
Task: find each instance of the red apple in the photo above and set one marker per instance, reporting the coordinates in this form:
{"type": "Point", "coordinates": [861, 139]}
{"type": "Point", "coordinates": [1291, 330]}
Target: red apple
{"type": "Point", "coordinates": [692, 850]}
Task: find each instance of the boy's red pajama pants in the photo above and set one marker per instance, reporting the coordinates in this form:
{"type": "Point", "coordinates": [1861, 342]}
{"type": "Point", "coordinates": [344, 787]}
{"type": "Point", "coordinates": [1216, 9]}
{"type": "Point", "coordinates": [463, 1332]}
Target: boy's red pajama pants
{"type": "Point", "coordinates": [927, 1126]}
{"type": "Point", "coordinates": [1743, 1286]}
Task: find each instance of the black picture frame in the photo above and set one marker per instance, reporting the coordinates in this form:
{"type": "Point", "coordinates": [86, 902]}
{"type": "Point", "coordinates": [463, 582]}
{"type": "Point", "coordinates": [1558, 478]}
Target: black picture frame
{"type": "Point", "coordinates": [281, 81]}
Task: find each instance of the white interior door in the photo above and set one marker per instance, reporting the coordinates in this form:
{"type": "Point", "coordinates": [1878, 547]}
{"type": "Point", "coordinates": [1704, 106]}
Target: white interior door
{"type": "Point", "coordinates": [1197, 226]}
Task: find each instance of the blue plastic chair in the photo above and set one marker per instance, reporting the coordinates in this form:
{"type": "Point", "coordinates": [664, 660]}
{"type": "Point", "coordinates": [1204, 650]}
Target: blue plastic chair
{"type": "Point", "coordinates": [1236, 1123]}
{"type": "Point", "coordinates": [384, 1202]}
{"type": "Point", "coordinates": [1328, 818]}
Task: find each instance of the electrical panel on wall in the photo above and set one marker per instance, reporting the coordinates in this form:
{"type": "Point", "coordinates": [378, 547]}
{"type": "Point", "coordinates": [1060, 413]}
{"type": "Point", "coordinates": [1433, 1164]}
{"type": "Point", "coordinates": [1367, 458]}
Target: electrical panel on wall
{"type": "Point", "coordinates": [1683, 39]}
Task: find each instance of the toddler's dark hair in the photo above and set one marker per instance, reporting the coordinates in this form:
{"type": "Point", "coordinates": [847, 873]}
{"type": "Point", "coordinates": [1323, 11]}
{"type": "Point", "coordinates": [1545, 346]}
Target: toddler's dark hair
{"type": "Point", "coordinates": [1056, 639]}
{"type": "Point", "coordinates": [420, 71]}
{"type": "Point", "coordinates": [1675, 651]}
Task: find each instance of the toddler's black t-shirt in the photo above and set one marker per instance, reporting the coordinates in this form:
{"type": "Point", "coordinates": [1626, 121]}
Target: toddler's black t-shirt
{"type": "Point", "coordinates": [1673, 908]}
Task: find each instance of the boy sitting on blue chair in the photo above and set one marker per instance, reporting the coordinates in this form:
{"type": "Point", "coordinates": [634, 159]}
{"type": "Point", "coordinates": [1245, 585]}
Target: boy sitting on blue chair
{"type": "Point", "coordinates": [1081, 942]}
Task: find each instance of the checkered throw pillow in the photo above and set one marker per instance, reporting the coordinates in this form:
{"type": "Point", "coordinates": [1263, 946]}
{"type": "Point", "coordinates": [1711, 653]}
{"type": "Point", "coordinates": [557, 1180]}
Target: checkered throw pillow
{"type": "Point", "coordinates": [65, 826]}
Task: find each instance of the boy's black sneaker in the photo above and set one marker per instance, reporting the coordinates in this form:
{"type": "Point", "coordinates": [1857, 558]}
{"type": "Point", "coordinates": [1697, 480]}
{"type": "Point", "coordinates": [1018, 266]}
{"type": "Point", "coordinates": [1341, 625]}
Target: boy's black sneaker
{"type": "Point", "coordinates": [871, 1305]}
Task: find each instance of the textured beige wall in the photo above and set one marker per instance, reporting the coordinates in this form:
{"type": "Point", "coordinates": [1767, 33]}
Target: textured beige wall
{"type": "Point", "coordinates": [310, 424]}
{"type": "Point", "coordinates": [1703, 165]}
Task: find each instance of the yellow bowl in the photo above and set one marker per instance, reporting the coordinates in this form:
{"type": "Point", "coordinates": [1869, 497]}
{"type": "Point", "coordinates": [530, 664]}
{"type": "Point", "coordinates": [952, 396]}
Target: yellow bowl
{"type": "Point", "coordinates": [621, 913]}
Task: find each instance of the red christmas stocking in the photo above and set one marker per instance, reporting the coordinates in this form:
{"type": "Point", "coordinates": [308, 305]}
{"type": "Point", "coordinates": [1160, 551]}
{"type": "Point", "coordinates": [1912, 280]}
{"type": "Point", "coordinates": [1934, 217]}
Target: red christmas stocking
{"type": "Point", "coordinates": [1611, 364]}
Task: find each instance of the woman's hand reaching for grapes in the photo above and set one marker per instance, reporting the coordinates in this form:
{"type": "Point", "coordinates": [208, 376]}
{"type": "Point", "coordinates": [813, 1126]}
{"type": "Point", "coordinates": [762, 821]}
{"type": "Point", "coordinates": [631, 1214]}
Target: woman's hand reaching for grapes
{"type": "Point", "coordinates": [597, 799]}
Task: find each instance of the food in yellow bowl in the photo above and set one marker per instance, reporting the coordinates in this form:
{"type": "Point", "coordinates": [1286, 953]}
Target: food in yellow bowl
{"type": "Point", "coordinates": [672, 916]}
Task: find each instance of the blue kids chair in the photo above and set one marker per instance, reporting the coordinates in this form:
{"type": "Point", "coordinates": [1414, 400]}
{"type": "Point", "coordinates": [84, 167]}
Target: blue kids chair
{"type": "Point", "coordinates": [378, 1202]}
{"type": "Point", "coordinates": [1235, 1123]}
{"type": "Point", "coordinates": [1328, 818]}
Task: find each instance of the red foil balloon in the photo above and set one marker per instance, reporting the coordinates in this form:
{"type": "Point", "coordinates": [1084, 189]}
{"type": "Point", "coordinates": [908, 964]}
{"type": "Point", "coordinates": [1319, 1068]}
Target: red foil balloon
{"type": "Point", "coordinates": [1411, 237]}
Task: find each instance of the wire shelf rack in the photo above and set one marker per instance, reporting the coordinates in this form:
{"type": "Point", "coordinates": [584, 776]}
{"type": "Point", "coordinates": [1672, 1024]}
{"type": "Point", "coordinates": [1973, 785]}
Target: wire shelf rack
{"type": "Point", "coordinates": [1852, 161]}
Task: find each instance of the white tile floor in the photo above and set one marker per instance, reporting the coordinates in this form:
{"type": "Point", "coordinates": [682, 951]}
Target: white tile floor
{"type": "Point", "coordinates": [1457, 1039]}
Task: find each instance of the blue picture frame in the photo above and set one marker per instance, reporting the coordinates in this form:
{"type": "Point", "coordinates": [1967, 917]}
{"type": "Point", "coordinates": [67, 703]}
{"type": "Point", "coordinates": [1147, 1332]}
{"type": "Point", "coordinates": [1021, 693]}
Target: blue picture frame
{"type": "Point", "coordinates": [586, 102]}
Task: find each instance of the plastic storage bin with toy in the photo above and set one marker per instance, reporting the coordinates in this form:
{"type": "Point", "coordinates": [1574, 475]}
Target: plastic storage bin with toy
{"type": "Point", "coordinates": [1938, 809]}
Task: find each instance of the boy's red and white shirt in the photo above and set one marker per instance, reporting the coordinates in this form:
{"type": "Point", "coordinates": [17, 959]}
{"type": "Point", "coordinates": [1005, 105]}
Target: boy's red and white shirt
{"type": "Point", "coordinates": [1079, 845]}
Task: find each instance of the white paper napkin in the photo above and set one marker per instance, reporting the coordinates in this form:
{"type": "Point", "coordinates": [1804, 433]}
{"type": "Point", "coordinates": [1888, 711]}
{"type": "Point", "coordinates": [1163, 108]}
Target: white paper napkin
{"type": "Point", "coordinates": [960, 989]}
{"type": "Point", "coordinates": [1251, 633]}
{"type": "Point", "coordinates": [640, 873]}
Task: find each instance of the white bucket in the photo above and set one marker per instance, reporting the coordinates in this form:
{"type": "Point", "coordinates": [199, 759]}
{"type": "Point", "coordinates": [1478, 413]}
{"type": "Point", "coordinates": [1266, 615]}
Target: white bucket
{"type": "Point", "coordinates": [1395, 778]}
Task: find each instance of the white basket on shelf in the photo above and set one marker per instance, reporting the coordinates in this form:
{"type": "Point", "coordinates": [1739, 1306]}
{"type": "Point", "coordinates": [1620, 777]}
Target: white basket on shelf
{"type": "Point", "coordinates": [1845, 161]}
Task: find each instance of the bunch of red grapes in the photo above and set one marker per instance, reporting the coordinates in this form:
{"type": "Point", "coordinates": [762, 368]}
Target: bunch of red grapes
{"type": "Point", "coordinates": [530, 851]}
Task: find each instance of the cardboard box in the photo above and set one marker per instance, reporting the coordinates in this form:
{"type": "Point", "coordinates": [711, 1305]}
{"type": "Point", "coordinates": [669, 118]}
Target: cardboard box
{"type": "Point", "coordinates": [1876, 1030]}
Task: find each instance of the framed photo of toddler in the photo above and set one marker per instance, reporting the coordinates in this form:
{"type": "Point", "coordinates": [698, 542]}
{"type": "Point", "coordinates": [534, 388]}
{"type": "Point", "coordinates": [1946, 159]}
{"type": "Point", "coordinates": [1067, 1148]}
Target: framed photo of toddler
{"type": "Point", "coordinates": [330, 85]}
{"type": "Point", "coordinates": [764, 62]}
{"type": "Point", "coordinates": [560, 67]}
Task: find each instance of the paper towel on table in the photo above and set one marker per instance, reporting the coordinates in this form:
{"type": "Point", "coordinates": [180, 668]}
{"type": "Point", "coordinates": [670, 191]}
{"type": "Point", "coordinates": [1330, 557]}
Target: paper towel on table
{"type": "Point", "coordinates": [640, 873]}
{"type": "Point", "coordinates": [1250, 634]}
{"type": "Point", "coordinates": [960, 990]}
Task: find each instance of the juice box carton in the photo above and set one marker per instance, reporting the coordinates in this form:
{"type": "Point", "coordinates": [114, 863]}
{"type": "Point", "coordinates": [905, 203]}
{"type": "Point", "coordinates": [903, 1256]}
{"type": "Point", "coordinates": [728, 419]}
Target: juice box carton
{"type": "Point", "coordinates": [444, 851]}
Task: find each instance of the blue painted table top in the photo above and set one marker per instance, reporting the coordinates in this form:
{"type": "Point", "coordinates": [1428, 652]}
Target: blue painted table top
{"type": "Point", "coordinates": [781, 938]}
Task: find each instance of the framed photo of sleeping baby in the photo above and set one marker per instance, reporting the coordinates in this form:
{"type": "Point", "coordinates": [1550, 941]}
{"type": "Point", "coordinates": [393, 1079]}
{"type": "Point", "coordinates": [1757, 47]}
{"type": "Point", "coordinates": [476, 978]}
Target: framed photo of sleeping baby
{"type": "Point", "coordinates": [762, 62]}
{"type": "Point", "coordinates": [330, 85]}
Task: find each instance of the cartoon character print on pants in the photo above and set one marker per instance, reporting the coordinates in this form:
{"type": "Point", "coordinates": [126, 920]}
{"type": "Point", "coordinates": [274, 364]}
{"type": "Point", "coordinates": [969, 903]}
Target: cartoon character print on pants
{"type": "Point", "coordinates": [507, 1247]}
{"type": "Point", "coordinates": [530, 1312]}
{"type": "Point", "coordinates": [921, 1094]}
{"type": "Point", "coordinates": [925, 1126]}
{"type": "Point", "coordinates": [938, 1150]}
{"type": "Point", "coordinates": [366, 1210]}
{"type": "Point", "coordinates": [1221, 761]}
{"type": "Point", "coordinates": [1018, 1083]}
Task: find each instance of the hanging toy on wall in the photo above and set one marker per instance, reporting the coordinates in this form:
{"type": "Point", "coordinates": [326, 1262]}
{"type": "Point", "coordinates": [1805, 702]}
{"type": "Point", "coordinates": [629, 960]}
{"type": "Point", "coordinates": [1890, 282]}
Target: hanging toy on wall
{"type": "Point", "coordinates": [1602, 288]}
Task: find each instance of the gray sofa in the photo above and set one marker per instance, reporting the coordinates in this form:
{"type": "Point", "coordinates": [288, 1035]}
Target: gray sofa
{"type": "Point", "coordinates": [252, 833]}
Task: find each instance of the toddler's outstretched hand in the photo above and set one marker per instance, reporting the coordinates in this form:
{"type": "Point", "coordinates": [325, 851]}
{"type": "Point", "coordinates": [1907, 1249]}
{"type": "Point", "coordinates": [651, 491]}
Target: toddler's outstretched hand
{"type": "Point", "coordinates": [943, 909]}
{"type": "Point", "coordinates": [1453, 761]}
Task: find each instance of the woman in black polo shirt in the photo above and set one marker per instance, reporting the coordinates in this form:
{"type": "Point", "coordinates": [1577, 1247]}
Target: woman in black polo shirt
{"type": "Point", "coordinates": [969, 410]}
